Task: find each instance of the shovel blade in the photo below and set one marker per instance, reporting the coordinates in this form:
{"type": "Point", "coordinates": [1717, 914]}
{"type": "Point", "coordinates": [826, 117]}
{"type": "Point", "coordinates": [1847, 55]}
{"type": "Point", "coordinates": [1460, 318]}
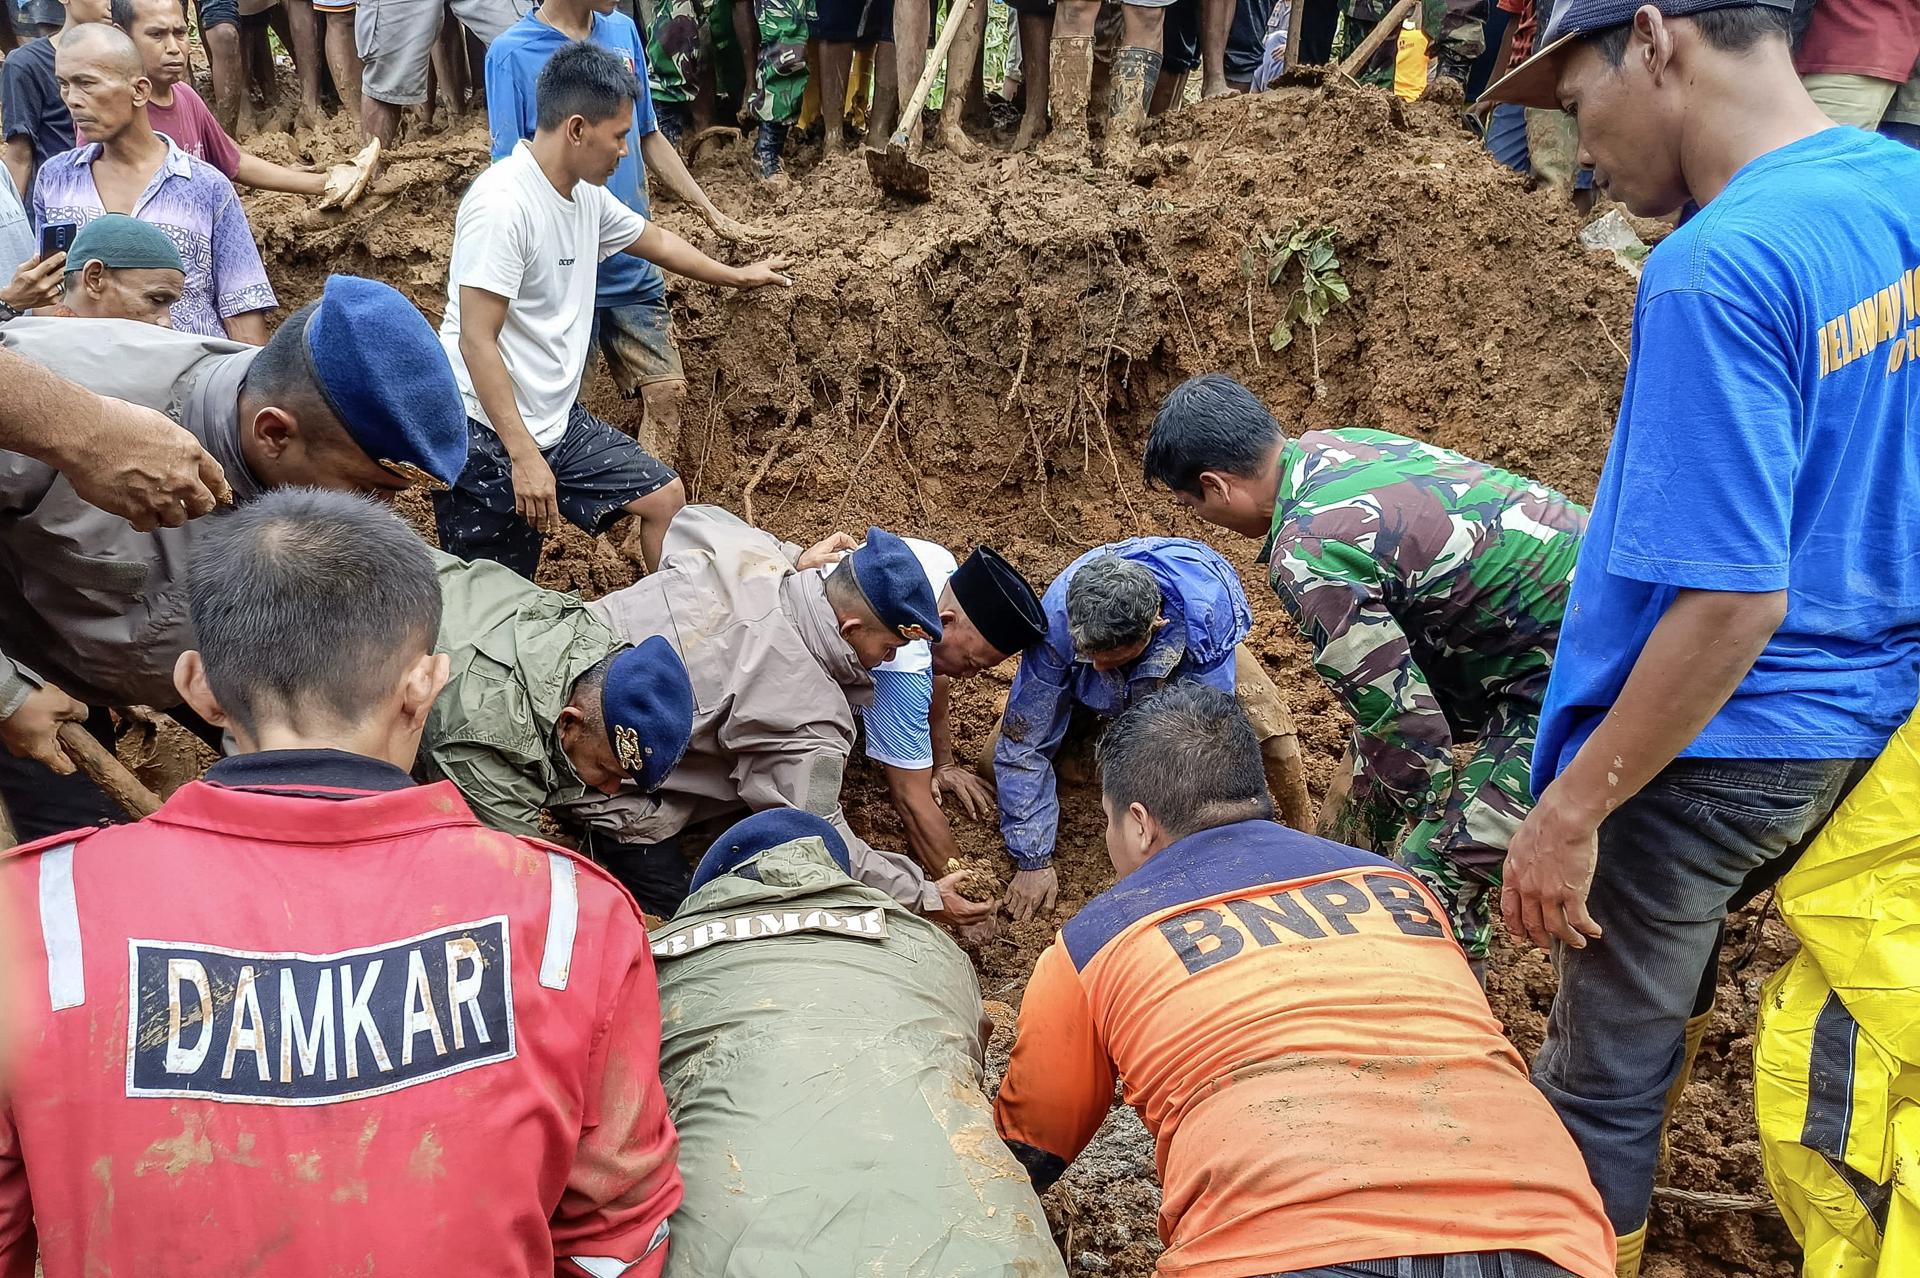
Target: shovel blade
{"type": "Point", "coordinates": [899, 173]}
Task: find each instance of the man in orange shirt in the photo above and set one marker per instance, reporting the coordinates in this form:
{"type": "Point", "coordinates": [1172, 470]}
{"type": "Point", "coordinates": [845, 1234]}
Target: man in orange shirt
{"type": "Point", "coordinates": [1328, 1091]}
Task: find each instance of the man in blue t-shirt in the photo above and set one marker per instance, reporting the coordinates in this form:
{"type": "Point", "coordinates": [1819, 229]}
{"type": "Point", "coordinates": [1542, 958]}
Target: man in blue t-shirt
{"type": "Point", "coordinates": [1744, 629]}
{"type": "Point", "coordinates": [631, 323]}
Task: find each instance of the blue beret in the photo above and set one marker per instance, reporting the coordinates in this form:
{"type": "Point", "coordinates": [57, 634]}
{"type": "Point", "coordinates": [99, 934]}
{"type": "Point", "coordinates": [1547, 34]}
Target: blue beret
{"type": "Point", "coordinates": [747, 839]}
{"type": "Point", "coordinates": [386, 377]}
{"type": "Point", "coordinates": [893, 581]}
{"type": "Point", "coordinates": [648, 705]}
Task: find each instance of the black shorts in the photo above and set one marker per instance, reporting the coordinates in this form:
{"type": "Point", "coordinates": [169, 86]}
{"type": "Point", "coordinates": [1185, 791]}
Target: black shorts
{"type": "Point", "coordinates": [854, 21]}
{"type": "Point", "coordinates": [1181, 40]}
{"type": "Point", "coordinates": [597, 470]}
{"type": "Point", "coordinates": [215, 13]}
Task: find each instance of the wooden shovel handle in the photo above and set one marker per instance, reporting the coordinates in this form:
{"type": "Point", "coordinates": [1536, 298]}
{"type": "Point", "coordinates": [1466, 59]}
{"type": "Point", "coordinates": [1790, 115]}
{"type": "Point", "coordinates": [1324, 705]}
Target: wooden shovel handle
{"type": "Point", "coordinates": [1385, 29]}
{"type": "Point", "coordinates": [98, 763]}
{"type": "Point", "coordinates": [935, 60]}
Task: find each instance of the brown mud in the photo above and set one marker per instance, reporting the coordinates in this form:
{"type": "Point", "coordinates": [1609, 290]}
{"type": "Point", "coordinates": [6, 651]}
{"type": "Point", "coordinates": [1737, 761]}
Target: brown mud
{"type": "Point", "coordinates": [984, 368]}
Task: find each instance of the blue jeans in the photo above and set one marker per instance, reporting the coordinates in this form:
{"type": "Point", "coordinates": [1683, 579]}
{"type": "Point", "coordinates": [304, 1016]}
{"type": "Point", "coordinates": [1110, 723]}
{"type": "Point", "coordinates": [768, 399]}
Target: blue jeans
{"type": "Point", "coordinates": [1706, 836]}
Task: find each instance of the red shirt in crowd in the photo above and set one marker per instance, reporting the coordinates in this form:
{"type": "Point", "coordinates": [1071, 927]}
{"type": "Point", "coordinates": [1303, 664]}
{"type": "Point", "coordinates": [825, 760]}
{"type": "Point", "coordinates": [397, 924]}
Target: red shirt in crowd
{"type": "Point", "coordinates": [1322, 1076]}
{"type": "Point", "coordinates": [310, 1018]}
{"type": "Point", "coordinates": [1879, 38]}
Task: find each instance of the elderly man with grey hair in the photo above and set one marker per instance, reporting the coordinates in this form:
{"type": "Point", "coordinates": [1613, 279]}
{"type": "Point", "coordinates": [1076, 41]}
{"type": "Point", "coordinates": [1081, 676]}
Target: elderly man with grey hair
{"type": "Point", "coordinates": [1123, 620]}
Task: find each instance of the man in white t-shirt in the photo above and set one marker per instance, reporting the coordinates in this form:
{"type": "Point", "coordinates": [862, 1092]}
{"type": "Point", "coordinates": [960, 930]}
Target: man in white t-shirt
{"type": "Point", "coordinates": [988, 612]}
{"type": "Point", "coordinates": [527, 245]}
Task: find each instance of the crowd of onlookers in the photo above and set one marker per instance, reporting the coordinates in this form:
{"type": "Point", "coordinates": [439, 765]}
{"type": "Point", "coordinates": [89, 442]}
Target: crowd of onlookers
{"type": "Point", "coordinates": [129, 133]}
{"type": "Point", "coordinates": [101, 115]}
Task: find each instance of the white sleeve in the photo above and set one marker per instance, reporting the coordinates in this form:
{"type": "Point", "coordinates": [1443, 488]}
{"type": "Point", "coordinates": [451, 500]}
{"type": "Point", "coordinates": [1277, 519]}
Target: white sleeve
{"type": "Point", "coordinates": [620, 226]}
{"type": "Point", "coordinates": [491, 243]}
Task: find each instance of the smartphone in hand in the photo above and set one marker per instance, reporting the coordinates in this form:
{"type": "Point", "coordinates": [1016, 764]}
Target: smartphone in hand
{"type": "Point", "coordinates": [57, 237]}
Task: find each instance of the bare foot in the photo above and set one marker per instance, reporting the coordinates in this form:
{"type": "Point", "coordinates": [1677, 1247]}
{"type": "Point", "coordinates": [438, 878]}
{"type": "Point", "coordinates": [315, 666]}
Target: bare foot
{"type": "Point", "coordinates": [1212, 88]}
{"type": "Point", "coordinates": [955, 139]}
{"type": "Point", "coordinates": [1032, 126]}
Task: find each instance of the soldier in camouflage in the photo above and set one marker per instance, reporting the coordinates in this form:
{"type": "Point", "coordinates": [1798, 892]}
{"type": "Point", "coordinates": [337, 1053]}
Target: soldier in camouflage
{"type": "Point", "coordinates": [679, 43]}
{"type": "Point", "coordinates": [1431, 587]}
{"type": "Point", "coordinates": [1457, 30]}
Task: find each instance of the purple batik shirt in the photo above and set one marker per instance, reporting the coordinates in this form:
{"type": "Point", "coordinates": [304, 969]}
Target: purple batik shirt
{"type": "Point", "coordinates": [195, 205]}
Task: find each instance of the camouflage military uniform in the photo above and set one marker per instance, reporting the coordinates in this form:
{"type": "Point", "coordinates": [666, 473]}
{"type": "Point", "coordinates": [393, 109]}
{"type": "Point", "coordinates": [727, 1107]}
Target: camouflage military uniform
{"type": "Point", "coordinates": [683, 33]}
{"type": "Point", "coordinates": [780, 79]}
{"type": "Point", "coordinates": [1431, 587]}
{"type": "Point", "coordinates": [675, 46]}
{"type": "Point", "coordinates": [1461, 26]}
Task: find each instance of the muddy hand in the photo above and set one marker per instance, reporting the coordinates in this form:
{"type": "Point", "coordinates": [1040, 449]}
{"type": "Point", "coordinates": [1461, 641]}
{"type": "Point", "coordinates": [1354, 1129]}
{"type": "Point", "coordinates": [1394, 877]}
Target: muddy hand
{"type": "Point", "coordinates": [728, 228]}
{"type": "Point", "coordinates": [761, 274]}
{"type": "Point", "coordinates": [829, 550]}
{"type": "Point", "coordinates": [32, 731]}
{"type": "Point", "coordinates": [135, 463]}
{"type": "Point", "coordinates": [973, 795]}
{"type": "Point", "coordinates": [956, 909]}
{"type": "Point", "coordinates": [348, 182]}
{"type": "Point", "coordinates": [1032, 892]}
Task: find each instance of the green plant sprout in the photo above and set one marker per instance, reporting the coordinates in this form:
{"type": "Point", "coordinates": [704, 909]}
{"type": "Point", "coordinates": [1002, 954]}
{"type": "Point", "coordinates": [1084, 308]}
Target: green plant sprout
{"type": "Point", "coordinates": [1313, 289]}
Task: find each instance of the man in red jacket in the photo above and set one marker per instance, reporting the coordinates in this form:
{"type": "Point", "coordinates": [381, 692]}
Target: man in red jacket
{"type": "Point", "coordinates": [310, 1018]}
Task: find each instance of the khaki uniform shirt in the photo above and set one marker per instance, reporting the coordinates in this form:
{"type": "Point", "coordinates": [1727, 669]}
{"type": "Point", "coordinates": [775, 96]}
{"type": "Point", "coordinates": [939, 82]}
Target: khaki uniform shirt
{"type": "Point", "coordinates": [91, 605]}
{"type": "Point", "coordinates": [773, 686]}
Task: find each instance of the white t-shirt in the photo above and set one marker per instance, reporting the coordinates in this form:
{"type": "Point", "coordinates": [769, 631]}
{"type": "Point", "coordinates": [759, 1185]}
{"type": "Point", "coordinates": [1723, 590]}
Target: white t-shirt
{"type": "Point", "coordinates": [938, 563]}
{"type": "Point", "coordinates": [517, 236]}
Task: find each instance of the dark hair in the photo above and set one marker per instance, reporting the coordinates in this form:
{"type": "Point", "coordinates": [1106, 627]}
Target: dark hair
{"type": "Point", "coordinates": [1111, 603]}
{"type": "Point", "coordinates": [283, 369]}
{"type": "Point", "coordinates": [307, 600]}
{"type": "Point", "coordinates": [589, 689]}
{"type": "Point", "coordinates": [1734, 29]}
{"type": "Point", "coordinates": [583, 79]}
{"type": "Point", "coordinates": [124, 12]}
{"type": "Point", "coordinates": [845, 594]}
{"type": "Point", "coordinates": [1187, 755]}
{"type": "Point", "coordinates": [1209, 422]}
{"type": "Point", "coordinates": [282, 376]}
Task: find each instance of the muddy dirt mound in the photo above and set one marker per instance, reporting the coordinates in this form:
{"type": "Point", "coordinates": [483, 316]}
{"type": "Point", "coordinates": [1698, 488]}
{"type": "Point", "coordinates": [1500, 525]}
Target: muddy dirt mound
{"type": "Point", "coordinates": [984, 368]}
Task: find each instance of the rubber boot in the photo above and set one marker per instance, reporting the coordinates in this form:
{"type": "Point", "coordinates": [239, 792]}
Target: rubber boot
{"type": "Point", "coordinates": [1068, 92]}
{"type": "Point", "coordinates": [1129, 87]}
{"type": "Point", "coordinates": [674, 119]}
{"type": "Point", "coordinates": [1448, 84]}
{"type": "Point", "coordinates": [1694, 1035]}
{"type": "Point", "coordinates": [768, 143]}
{"type": "Point", "coordinates": [1628, 1249]}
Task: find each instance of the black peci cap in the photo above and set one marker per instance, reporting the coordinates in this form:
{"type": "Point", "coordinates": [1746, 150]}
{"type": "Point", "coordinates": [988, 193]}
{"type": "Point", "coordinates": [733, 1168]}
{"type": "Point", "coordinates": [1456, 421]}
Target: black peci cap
{"type": "Point", "coordinates": [999, 602]}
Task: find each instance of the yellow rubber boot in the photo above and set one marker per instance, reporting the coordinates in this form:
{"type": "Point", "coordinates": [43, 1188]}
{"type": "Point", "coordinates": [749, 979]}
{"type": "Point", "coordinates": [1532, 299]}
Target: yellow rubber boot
{"type": "Point", "coordinates": [1691, 1039]}
{"type": "Point", "coordinates": [1628, 1249]}
{"type": "Point", "coordinates": [1694, 1036]}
